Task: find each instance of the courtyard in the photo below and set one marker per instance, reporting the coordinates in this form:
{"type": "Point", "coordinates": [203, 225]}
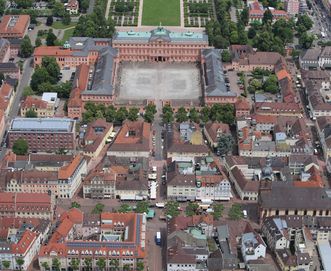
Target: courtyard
{"type": "Point", "coordinates": [160, 81]}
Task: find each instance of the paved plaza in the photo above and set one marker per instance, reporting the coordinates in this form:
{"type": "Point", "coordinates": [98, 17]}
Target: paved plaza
{"type": "Point", "coordinates": [177, 81]}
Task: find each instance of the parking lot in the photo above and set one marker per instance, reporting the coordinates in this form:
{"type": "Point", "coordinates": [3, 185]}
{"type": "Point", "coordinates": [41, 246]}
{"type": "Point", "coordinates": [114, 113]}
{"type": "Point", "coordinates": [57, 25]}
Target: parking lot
{"type": "Point", "coordinates": [67, 74]}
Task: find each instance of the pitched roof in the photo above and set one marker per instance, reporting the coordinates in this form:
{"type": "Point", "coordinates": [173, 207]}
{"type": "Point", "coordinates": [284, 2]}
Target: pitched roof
{"type": "Point", "coordinates": [133, 136]}
{"type": "Point", "coordinates": [30, 102]}
{"type": "Point", "coordinates": [67, 171]}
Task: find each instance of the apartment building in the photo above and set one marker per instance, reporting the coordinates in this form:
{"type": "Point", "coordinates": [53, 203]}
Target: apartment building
{"type": "Point", "coordinates": [42, 108]}
{"type": "Point", "coordinates": [120, 241]}
{"type": "Point", "coordinates": [61, 178]}
{"type": "Point", "coordinates": [133, 140]}
{"type": "Point", "coordinates": [25, 205]}
{"type": "Point", "coordinates": [43, 134]}
{"type": "Point", "coordinates": [199, 179]}
{"type": "Point", "coordinates": [14, 26]}
{"type": "Point", "coordinates": [187, 247]}
{"type": "Point", "coordinates": [21, 239]}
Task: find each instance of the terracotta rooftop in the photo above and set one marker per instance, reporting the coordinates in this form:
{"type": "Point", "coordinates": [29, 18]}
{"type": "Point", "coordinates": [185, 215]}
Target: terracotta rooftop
{"type": "Point", "coordinates": [24, 243]}
{"type": "Point", "coordinates": [67, 171]}
{"type": "Point", "coordinates": [14, 24]}
{"type": "Point", "coordinates": [133, 136]}
{"type": "Point", "coordinates": [30, 102]}
{"type": "Point", "coordinates": [213, 128]}
{"type": "Point", "coordinates": [55, 51]}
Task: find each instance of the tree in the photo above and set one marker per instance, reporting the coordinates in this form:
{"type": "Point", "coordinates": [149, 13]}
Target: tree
{"type": "Point", "coordinates": [251, 33]}
{"type": "Point", "coordinates": [150, 111]}
{"type": "Point", "coordinates": [267, 17]}
{"type": "Point", "coordinates": [26, 47]}
{"type": "Point", "coordinates": [126, 267]}
{"type": "Point", "coordinates": [244, 16]}
{"type": "Point", "coordinates": [101, 263]}
{"type": "Point", "coordinates": [148, 117]}
{"type": "Point", "coordinates": [124, 208]}
{"type": "Point", "coordinates": [51, 38]}
{"type": "Point", "coordinates": [235, 212]}
{"type": "Point", "coordinates": [56, 264]}
{"type": "Point", "coordinates": [225, 144]}
{"type": "Point", "coordinates": [20, 147]}
{"type": "Point", "coordinates": [218, 211]}
{"type": "Point", "coordinates": [114, 264]}
{"type": "Point", "coordinates": [168, 117]}
{"type": "Point", "coordinates": [205, 112]}
{"type": "Point", "coordinates": [20, 262]}
{"type": "Point", "coordinates": [191, 209]}
{"type": "Point", "coordinates": [2, 7]}
{"type": "Point", "coordinates": [58, 9]}
{"type": "Point", "coordinates": [38, 42]}
{"type": "Point", "coordinates": [27, 91]}
{"type": "Point", "coordinates": [271, 84]}
{"type": "Point", "coordinates": [304, 23]}
{"type": "Point", "coordinates": [88, 263]}
{"type": "Point", "coordinates": [306, 40]}
{"type": "Point", "coordinates": [6, 264]}
{"type": "Point", "coordinates": [140, 266]}
{"type": "Point", "coordinates": [38, 77]}
{"type": "Point", "coordinates": [74, 264]}
{"type": "Point", "coordinates": [66, 18]}
{"type": "Point", "coordinates": [83, 5]}
{"type": "Point", "coordinates": [194, 115]}
{"type": "Point", "coordinates": [110, 113]}
{"type": "Point", "coordinates": [133, 113]}
{"type": "Point", "coordinates": [142, 207]}
{"type": "Point", "coordinates": [121, 114]}
{"type": "Point", "coordinates": [171, 208]}
{"type": "Point", "coordinates": [52, 68]}
{"type": "Point", "coordinates": [62, 89]}
{"type": "Point", "coordinates": [75, 204]}
{"type": "Point", "coordinates": [31, 114]}
{"type": "Point", "coordinates": [98, 209]}
{"type": "Point", "coordinates": [181, 115]}
{"type": "Point", "coordinates": [49, 20]}
{"type": "Point", "coordinates": [226, 56]}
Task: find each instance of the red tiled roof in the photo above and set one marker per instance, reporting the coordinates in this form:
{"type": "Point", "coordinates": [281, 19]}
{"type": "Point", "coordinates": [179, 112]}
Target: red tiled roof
{"type": "Point", "coordinates": [5, 90]}
{"type": "Point", "coordinates": [18, 28]}
{"type": "Point", "coordinates": [34, 102]}
{"type": "Point", "coordinates": [51, 51]}
{"type": "Point", "coordinates": [24, 243]}
{"type": "Point", "coordinates": [66, 171]}
{"type": "Point", "coordinates": [242, 104]}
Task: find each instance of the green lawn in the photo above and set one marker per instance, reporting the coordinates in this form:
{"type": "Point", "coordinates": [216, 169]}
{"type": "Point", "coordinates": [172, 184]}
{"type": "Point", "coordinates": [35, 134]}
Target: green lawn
{"type": "Point", "coordinates": [67, 34]}
{"type": "Point", "coordinates": [60, 25]}
{"type": "Point", "coordinates": [166, 12]}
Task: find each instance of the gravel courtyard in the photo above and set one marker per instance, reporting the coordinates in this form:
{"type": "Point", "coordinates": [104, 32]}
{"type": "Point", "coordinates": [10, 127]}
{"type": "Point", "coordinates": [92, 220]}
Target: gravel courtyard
{"type": "Point", "coordinates": [177, 81]}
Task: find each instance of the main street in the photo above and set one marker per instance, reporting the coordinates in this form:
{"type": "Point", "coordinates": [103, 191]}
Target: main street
{"type": "Point", "coordinates": [14, 110]}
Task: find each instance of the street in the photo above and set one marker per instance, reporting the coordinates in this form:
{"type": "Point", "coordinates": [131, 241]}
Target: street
{"type": "Point", "coordinates": [14, 110]}
{"type": "Point", "coordinates": [321, 20]}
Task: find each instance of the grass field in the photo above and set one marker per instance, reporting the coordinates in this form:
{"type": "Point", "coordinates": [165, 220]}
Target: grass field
{"type": "Point", "coordinates": [166, 12]}
{"type": "Point", "coordinates": [68, 34]}
{"type": "Point", "coordinates": [60, 25]}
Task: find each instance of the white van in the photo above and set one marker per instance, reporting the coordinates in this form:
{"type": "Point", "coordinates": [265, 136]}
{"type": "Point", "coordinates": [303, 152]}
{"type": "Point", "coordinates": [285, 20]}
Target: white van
{"type": "Point", "coordinates": [245, 213]}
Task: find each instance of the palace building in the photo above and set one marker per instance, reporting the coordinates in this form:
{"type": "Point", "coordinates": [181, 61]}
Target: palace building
{"type": "Point", "coordinates": [136, 67]}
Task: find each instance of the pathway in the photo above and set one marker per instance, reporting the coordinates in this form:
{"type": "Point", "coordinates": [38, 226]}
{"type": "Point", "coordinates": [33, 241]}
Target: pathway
{"type": "Point", "coordinates": [140, 15]}
{"type": "Point", "coordinates": [107, 9]}
{"type": "Point", "coordinates": [91, 7]}
{"type": "Point", "coordinates": [182, 17]}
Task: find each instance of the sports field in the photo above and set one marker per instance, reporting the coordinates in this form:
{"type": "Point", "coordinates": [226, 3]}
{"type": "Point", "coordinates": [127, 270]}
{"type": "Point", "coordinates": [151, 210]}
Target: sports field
{"type": "Point", "coordinates": [166, 12]}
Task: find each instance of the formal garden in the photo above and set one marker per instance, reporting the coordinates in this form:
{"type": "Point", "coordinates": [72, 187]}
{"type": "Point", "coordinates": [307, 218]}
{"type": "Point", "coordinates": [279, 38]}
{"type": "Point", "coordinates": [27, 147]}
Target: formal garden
{"type": "Point", "coordinates": [157, 12]}
{"type": "Point", "coordinates": [197, 13]}
{"type": "Point", "coordinates": [124, 12]}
